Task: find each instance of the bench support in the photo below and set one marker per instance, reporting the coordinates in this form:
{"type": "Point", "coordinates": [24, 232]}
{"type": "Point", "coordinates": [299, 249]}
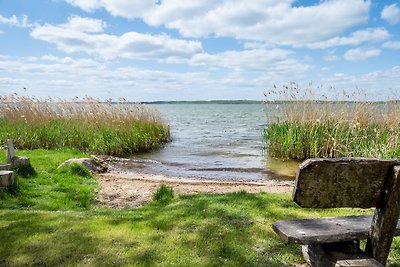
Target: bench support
{"type": "Point", "coordinates": [337, 254]}
{"type": "Point", "coordinates": [385, 219]}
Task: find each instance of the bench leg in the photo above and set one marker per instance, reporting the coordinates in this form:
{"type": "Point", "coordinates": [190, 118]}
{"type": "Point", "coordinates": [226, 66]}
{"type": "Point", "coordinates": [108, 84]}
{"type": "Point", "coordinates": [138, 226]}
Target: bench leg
{"type": "Point", "coordinates": [343, 254]}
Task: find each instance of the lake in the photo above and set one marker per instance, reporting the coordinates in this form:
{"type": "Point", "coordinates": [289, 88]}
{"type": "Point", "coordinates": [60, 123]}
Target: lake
{"type": "Point", "coordinates": [216, 141]}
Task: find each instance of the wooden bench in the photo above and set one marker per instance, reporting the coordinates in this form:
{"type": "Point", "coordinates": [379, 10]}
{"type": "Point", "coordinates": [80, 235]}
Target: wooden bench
{"type": "Point", "coordinates": [346, 182]}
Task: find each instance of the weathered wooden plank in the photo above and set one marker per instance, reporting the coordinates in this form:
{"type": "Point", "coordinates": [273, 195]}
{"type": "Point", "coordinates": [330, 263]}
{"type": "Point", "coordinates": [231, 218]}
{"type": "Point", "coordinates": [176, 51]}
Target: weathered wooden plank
{"type": "Point", "coordinates": [10, 152]}
{"type": "Point", "coordinates": [326, 230]}
{"type": "Point", "coordinates": [341, 182]}
{"type": "Point", "coordinates": [385, 218]}
{"type": "Point", "coordinates": [337, 255]}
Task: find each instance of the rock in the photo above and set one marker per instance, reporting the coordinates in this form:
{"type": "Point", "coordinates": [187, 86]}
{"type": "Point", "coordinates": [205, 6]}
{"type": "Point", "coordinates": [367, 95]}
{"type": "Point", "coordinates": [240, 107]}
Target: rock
{"type": "Point", "coordinates": [92, 164]}
{"type": "Point", "coordinates": [6, 178]}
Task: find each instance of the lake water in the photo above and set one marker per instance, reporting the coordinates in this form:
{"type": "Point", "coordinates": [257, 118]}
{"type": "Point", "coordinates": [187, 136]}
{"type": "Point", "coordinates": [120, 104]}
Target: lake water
{"type": "Point", "coordinates": [215, 141]}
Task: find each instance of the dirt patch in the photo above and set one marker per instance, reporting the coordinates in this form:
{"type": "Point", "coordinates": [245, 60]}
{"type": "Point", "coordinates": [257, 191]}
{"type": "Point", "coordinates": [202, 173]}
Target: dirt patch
{"type": "Point", "coordinates": [129, 190]}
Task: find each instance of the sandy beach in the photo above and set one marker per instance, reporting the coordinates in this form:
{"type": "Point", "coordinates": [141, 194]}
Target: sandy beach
{"type": "Point", "coordinates": [134, 189]}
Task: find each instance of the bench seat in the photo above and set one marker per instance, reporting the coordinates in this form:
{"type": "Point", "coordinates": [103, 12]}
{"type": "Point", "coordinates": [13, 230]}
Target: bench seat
{"type": "Point", "coordinates": [326, 230]}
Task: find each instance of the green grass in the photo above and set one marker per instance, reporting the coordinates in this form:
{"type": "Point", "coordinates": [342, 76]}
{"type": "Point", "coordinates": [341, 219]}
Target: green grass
{"type": "Point", "coordinates": [67, 188]}
{"type": "Point", "coordinates": [201, 230]}
{"type": "Point", "coordinates": [48, 224]}
{"type": "Point", "coordinates": [98, 138]}
{"type": "Point", "coordinates": [302, 140]}
{"type": "Point", "coordinates": [163, 195]}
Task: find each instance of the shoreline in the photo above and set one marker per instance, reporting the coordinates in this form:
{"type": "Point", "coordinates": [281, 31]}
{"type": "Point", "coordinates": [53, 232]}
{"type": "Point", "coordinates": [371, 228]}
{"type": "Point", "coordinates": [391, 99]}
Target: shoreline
{"type": "Point", "coordinates": [134, 189]}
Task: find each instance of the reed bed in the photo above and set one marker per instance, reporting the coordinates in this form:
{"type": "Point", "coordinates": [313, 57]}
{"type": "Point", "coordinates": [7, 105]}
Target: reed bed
{"type": "Point", "coordinates": [305, 126]}
{"type": "Point", "coordinates": [112, 128]}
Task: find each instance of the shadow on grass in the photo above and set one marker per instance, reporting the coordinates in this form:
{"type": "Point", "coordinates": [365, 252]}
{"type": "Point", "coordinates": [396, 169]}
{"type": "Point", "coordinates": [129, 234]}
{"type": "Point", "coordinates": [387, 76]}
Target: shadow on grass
{"type": "Point", "coordinates": [199, 230]}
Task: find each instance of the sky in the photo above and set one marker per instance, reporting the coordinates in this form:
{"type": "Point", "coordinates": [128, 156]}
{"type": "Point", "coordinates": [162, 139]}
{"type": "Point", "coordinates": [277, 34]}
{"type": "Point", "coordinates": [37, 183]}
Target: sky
{"type": "Point", "coordinates": [151, 50]}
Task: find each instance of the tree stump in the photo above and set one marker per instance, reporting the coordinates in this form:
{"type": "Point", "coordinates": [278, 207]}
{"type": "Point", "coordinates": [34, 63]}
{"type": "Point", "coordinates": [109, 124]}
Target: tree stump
{"type": "Point", "coordinates": [6, 178]}
{"type": "Point", "coordinates": [5, 167]}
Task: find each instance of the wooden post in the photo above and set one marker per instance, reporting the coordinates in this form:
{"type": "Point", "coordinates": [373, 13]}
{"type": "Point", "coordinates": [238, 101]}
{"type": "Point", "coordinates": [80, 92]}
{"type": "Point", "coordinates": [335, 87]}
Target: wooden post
{"type": "Point", "coordinates": [10, 151]}
{"type": "Point", "coordinates": [385, 218]}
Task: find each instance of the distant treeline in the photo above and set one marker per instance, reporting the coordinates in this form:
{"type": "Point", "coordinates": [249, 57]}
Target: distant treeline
{"type": "Point", "coordinates": [207, 102]}
{"type": "Point", "coordinates": [329, 102]}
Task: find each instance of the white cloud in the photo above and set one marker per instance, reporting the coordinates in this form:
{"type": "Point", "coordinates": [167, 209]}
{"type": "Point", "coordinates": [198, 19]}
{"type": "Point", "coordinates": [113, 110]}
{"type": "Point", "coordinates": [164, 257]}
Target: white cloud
{"type": "Point", "coordinates": [391, 14]}
{"type": "Point", "coordinates": [1, 32]}
{"type": "Point", "coordinates": [21, 22]}
{"type": "Point", "coordinates": [376, 85]}
{"type": "Point", "coordinates": [88, 25]}
{"type": "Point", "coordinates": [392, 45]}
{"type": "Point", "coordinates": [123, 8]}
{"type": "Point", "coordinates": [361, 54]}
{"type": "Point", "coordinates": [87, 5]}
{"type": "Point", "coordinates": [331, 56]}
{"type": "Point", "coordinates": [66, 77]}
{"type": "Point", "coordinates": [277, 62]}
{"type": "Point", "coordinates": [355, 38]}
{"type": "Point", "coordinates": [257, 45]}
{"type": "Point", "coordinates": [270, 21]}
{"type": "Point", "coordinates": [72, 38]}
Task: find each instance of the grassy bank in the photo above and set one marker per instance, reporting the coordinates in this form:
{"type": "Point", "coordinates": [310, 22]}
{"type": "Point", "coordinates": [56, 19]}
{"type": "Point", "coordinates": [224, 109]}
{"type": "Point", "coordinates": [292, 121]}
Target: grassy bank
{"type": "Point", "coordinates": [88, 125]}
{"type": "Point", "coordinates": [306, 128]}
{"type": "Point", "coordinates": [56, 229]}
{"type": "Point", "coordinates": [202, 230]}
{"type": "Point", "coordinates": [48, 188]}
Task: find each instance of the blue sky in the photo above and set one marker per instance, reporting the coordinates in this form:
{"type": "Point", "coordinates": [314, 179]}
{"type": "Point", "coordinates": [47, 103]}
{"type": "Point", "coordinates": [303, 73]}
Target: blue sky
{"type": "Point", "coordinates": [146, 50]}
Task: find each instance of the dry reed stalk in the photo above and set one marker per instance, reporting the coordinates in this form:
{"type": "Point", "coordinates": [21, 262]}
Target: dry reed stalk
{"type": "Point", "coordinates": [86, 110]}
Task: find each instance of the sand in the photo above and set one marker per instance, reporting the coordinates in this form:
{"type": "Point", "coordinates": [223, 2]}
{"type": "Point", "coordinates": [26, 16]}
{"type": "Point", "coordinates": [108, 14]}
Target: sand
{"type": "Point", "coordinates": [134, 189]}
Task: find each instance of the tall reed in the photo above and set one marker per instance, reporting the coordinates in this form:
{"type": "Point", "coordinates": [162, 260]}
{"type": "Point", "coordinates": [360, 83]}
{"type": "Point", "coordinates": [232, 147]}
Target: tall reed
{"type": "Point", "coordinates": [304, 126]}
{"type": "Point", "coordinates": [87, 124]}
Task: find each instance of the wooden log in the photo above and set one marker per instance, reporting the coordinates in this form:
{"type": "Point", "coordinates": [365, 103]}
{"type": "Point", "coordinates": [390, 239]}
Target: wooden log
{"type": "Point", "coordinates": [5, 167]}
{"type": "Point", "coordinates": [385, 218]}
{"type": "Point", "coordinates": [6, 178]}
{"type": "Point", "coordinates": [18, 161]}
{"type": "Point", "coordinates": [341, 182]}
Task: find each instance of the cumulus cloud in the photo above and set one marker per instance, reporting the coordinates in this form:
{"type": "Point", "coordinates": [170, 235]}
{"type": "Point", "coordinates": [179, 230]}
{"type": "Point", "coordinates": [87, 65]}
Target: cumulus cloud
{"type": "Point", "coordinates": [87, 5]}
{"type": "Point", "coordinates": [72, 37]}
{"type": "Point", "coordinates": [124, 8]}
{"type": "Point", "coordinates": [21, 22]}
{"type": "Point", "coordinates": [271, 21]}
{"type": "Point", "coordinates": [65, 77]}
{"type": "Point", "coordinates": [391, 14]}
{"type": "Point", "coordinates": [361, 54]}
{"type": "Point", "coordinates": [375, 85]}
{"type": "Point", "coordinates": [275, 61]}
{"type": "Point", "coordinates": [392, 45]}
{"type": "Point", "coordinates": [88, 25]}
{"type": "Point", "coordinates": [355, 38]}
